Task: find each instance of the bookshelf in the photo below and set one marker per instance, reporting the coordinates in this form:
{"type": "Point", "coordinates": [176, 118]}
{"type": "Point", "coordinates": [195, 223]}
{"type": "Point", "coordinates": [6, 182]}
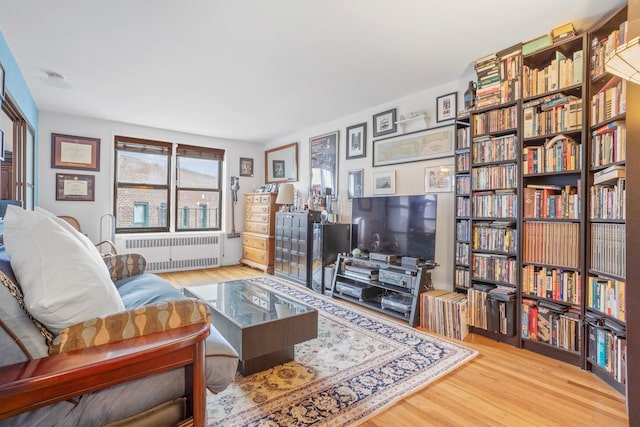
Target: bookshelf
{"type": "Point", "coordinates": [462, 237]}
{"type": "Point", "coordinates": [552, 215]}
{"type": "Point", "coordinates": [494, 172]}
{"type": "Point", "coordinates": [605, 290]}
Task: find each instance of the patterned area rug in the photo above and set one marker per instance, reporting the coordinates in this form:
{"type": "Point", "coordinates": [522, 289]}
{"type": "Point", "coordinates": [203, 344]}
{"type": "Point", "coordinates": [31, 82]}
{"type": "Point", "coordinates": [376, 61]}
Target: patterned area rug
{"type": "Point", "coordinates": [360, 364]}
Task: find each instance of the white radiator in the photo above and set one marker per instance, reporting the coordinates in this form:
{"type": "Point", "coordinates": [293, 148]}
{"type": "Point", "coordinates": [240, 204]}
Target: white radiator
{"type": "Point", "coordinates": [175, 252]}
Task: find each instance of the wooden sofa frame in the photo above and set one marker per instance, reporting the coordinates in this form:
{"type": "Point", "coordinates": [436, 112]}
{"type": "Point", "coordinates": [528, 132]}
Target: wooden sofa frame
{"type": "Point", "coordinates": [40, 382]}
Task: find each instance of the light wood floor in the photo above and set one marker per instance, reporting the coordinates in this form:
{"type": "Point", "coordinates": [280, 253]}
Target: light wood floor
{"type": "Point", "coordinates": [502, 386]}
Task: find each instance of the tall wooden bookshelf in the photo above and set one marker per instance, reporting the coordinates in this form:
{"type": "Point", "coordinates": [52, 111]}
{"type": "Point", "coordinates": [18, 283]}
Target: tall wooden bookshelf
{"type": "Point", "coordinates": [606, 310]}
{"type": "Point", "coordinates": [495, 155]}
{"type": "Point", "coordinates": [552, 215]}
{"type": "Point", "coordinates": [462, 237]}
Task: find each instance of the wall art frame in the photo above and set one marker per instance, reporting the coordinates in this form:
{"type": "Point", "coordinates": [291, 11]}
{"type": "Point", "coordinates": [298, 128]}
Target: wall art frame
{"type": "Point", "coordinates": [384, 123]}
{"type": "Point", "coordinates": [246, 166]}
{"type": "Point", "coordinates": [323, 152]}
{"type": "Point", "coordinates": [357, 141]}
{"type": "Point", "coordinates": [438, 179]}
{"type": "Point", "coordinates": [416, 146]}
{"type": "Point", "coordinates": [287, 154]}
{"type": "Point", "coordinates": [355, 183]}
{"type": "Point", "coordinates": [384, 182]}
{"type": "Point", "coordinates": [73, 187]}
{"type": "Point", "coordinates": [75, 152]}
{"type": "Point", "coordinates": [446, 107]}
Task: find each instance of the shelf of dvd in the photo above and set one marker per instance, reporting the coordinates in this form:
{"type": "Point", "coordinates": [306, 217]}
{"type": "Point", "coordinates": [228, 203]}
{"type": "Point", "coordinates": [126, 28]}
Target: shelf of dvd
{"type": "Point", "coordinates": [383, 283]}
{"type": "Point", "coordinates": [462, 238]}
{"type": "Point", "coordinates": [606, 293]}
{"type": "Point", "coordinates": [494, 198]}
{"type": "Point", "coordinates": [552, 181]}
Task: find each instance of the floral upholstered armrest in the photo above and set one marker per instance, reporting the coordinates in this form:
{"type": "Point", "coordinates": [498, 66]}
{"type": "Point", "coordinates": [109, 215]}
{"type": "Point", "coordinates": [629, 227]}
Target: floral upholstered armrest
{"type": "Point", "coordinates": [137, 322]}
{"type": "Point", "coordinates": [125, 265]}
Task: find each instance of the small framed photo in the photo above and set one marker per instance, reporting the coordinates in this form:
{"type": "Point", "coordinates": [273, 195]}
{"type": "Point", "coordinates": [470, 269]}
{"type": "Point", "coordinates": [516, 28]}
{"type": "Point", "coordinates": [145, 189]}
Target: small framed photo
{"type": "Point", "coordinates": [384, 182]}
{"type": "Point", "coordinates": [246, 166]}
{"type": "Point", "coordinates": [278, 169]}
{"type": "Point", "coordinates": [355, 183]}
{"type": "Point", "coordinates": [438, 179]}
{"type": "Point", "coordinates": [384, 123]}
{"type": "Point", "coordinates": [446, 107]}
{"type": "Point", "coordinates": [75, 187]}
{"type": "Point", "coordinates": [75, 152]}
{"type": "Point", "coordinates": [357, 141]}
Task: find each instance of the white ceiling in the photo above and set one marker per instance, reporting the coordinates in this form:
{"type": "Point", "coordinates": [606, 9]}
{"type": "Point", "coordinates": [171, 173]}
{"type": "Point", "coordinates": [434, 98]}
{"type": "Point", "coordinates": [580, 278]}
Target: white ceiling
{"type": "Point", "coordinates": [255, 70]}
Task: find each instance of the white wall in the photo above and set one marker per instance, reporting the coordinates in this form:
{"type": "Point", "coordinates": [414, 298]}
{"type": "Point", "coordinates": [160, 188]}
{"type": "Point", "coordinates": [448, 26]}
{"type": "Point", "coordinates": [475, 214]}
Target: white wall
{"type": "Point", "coordinates": [409, 176]}
{"type": "Point", "coordinates": [89, 213]}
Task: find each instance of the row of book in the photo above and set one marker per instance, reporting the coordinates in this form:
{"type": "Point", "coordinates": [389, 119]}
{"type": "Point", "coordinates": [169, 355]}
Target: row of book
{"type": "Point", "coordinates": [607, 296]}
{"type": "Point", "coordinates": [499, 204]}
{"type": "Point", "coordinates": [492, 308]}
{"type": "Point", "coordinates": [607, 348]}
{"type": "Point", "coordinates": [445, 313]}
{"type": "Point", "coordinates": [495, 177]}
{"type": "Point", "coordinates": [462, 278]}
{"type": "Point", "coordinates": [551, 243]}
{"type": "Point", "coordinates": [495, 120]}
{"type": "Point", "coordinates": [608, 201]}
{"type": "Point", "coordinates": [462, 253]}
{"type": "Point", "coordinates": [496, 268]}
{"type": "Point", "coordinates": [494, 149]}
{"type": "Point", "coordinates": [610, 101]}
{"type": "Point", "coordinates": [463, 184]}
{"type": "Point", "coordinates": [562, 72]}
{"type": "Point", "coordinates": [560, 114]}
{"type": "Point", "coordinates": [463, 161]}
{"type": "Point", "coordinates": [495, 237]}
{"type": "Point", "coordinates": [551, 202]}
{"type": "Point", "coordinates": [608, 249]}
{"type": "Point", "coordinates": [602, 46]}
{"type": "Point", "coordinates": [463, 206]}
{"type": "Point", "coordinates": [463, 230]}
{"type": "Point", "coordinates": [551, 323]}
{"type": "Point", "coordinates": [552, 283]}
{"type": "Point", "coordinates": [498, 78]}
{"type": "Point", "coordinates": [463, 137]}
{"type": "Point", "coordinates": [557, 155]}
{"type": "Point", "coordinates": [609, 144]}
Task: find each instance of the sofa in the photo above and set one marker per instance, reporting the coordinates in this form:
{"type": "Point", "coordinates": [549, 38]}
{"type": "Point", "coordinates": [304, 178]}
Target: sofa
{"type": "Point", "coordinates": [141, 355]}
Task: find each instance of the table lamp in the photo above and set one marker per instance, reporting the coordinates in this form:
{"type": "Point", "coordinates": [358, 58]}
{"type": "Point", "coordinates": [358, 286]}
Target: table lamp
{"type": "Point", "coordinates": [285, 196]}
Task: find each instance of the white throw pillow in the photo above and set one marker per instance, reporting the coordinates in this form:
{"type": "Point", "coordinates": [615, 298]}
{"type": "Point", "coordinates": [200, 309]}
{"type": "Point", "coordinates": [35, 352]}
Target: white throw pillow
{"type": "Point", "coordinates": [62, 281]}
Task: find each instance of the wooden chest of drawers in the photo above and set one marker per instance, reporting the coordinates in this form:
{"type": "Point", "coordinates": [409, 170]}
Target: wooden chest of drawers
{"type": "Point", "coordinates": [259, 231]}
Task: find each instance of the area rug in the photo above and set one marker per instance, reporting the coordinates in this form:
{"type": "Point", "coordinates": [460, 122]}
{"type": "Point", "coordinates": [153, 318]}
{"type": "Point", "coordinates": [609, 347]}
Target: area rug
{"type": "Point", "coordinates": [360, 364]}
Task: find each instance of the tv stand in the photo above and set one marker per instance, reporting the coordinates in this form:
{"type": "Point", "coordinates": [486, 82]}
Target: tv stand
{"type": "Point", "coordinates": [390, 288]}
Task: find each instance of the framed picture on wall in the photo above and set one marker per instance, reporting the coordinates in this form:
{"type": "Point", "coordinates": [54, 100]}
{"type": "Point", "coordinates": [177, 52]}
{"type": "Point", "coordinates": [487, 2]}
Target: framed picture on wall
{"type": "Point", "coordinates": [71, 187]}
{"type": "Point", "coordinates": [75, 152]}
{"type": "Point", "coordinates": [438, 179]}
{"type": "Point", "coordinates": [384, 123]}
{"type": "Point", "coordinates": [446, 107]}
{"type": "Point", "coordinates": [357, 141]}
{"type": "Point", "coordinates": [384, 182]}
{"type": "Point", "coordinates": [246, 166]}
{"type": "Point", "coordinates": [355, 183]}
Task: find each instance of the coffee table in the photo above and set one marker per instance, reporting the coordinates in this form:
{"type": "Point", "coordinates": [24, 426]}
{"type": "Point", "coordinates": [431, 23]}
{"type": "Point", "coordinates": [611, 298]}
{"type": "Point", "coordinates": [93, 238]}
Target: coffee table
{"type": "Point", "coordinates": [261, 325]}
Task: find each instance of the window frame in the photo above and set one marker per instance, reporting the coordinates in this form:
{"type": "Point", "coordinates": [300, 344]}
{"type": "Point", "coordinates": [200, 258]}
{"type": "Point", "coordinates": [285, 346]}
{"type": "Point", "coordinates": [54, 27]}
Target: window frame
{"type": "Point", "coordinates": [125, 143]}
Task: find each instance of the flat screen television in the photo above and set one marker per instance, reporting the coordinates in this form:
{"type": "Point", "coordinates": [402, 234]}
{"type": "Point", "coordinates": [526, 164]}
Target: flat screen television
{"type": "Point", "coordinates": [397, 225]}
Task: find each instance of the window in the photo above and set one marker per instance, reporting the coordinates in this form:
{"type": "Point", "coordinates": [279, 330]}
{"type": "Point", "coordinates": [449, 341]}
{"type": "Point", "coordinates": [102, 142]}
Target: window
{"type": "Point", "coordinates": [141, 214]}
{"type": "Point", "coordinates": [144, 193]}
{"type": "Point", "coordinates": [142, 187]}
{"type": "Point", "coordinates": [198, 189]}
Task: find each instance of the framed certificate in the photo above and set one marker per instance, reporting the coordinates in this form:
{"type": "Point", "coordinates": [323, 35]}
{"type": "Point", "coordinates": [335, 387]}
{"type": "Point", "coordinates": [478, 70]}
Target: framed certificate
{"type": "Point", "coordinates": [75, 152]}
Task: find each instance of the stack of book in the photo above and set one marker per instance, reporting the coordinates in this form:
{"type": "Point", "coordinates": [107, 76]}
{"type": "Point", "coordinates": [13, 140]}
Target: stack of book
{"type": "Point", "coordinates": [488, 72]}
{"type": "Point", "coordinates": [445, 313]}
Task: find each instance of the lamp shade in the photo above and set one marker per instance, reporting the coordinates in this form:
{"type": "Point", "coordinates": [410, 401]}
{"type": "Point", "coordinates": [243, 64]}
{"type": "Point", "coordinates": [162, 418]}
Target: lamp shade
{"type": "Point", "coordinates": [624, 61]}
{"type": "Point", "coordinates": [285, 194]}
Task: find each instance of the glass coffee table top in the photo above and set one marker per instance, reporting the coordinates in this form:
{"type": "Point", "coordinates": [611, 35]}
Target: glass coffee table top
{"type": "Point", "coordinates": [246, 303]}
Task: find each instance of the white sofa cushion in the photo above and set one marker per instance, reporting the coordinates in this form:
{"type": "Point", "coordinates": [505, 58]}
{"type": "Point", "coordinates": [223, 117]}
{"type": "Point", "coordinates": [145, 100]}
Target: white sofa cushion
{"type": "Point", "coordinates": [64, 283]}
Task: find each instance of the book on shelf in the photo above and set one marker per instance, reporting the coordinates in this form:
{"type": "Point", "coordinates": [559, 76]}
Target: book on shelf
{"type": "Point", "coordinates": [562, 32]}
{"type": "Point", "coordinates": [578, 64]}
{"type": "Point", "coordinates": [613, 172]}
{"type": "Point", "coordinates": [536, 44]}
